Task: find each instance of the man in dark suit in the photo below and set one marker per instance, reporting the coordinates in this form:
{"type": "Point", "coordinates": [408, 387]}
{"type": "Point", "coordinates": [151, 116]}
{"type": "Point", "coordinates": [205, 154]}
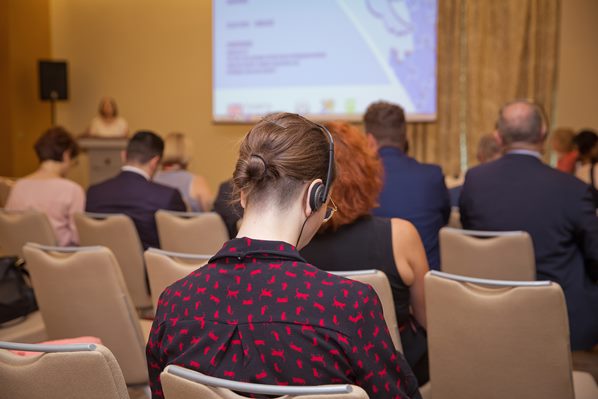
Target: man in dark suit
{"type": "Point", "coordinates": [412, 190]}
{"type": "Point", "coordinates": [519, 192]}
{"type": "Point", "coordinates": [133, 193]}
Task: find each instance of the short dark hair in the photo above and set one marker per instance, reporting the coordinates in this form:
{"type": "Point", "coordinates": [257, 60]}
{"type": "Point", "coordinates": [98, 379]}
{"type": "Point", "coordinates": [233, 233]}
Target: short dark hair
{"type": "Point", "coordinates": [386, 122]}
{"type": "Point", "coordinates": [585, 141]}
{"type": "Point", "coordinates": [53, 143]}
{"type": "Point", "coordinates": [143, 146]}
{"type": "Point", "coordinates": [525, 126]}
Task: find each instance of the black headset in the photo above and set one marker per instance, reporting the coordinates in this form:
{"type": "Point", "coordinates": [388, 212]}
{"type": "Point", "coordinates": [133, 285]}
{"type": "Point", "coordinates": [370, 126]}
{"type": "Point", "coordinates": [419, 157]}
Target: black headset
{"type": "Point", "coordinates": [320, 191]}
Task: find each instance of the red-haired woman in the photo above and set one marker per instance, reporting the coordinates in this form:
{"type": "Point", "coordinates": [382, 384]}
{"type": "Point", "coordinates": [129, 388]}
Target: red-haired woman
{"type": "Point", "coordinates": [354, 240]}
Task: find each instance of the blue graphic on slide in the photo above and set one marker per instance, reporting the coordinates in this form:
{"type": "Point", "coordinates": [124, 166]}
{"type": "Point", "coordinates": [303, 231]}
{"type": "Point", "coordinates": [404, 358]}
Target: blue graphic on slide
{"type": "Point", "coordinates": [314, 55]}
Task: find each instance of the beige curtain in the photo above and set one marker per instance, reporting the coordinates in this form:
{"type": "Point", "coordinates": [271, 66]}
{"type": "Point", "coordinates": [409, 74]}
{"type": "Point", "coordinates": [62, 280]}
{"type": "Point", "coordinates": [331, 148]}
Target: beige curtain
{"type": "Point", "coordinates": [489, 52]}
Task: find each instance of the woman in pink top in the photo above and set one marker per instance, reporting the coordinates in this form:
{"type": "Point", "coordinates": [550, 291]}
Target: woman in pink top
{"type": "Point", "coordinates": [47, 190]}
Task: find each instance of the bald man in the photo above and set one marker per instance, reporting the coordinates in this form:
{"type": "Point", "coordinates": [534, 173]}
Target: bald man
{"type": "Point", "coordinates": [520, 192]}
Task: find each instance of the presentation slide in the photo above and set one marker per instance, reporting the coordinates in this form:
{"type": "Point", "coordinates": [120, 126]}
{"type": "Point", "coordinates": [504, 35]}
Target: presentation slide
{"type": "Point", "coordinates": [325, 59]}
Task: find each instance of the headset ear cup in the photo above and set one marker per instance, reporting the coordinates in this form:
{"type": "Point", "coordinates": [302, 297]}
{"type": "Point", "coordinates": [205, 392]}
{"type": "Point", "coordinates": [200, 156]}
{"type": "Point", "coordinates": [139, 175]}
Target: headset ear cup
{"type": "Point", "coordinates": [315, 197]}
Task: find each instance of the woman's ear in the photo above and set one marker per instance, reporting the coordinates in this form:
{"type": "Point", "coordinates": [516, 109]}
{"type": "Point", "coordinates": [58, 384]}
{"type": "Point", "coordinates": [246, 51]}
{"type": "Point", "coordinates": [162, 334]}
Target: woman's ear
{"type": "Point", "coordinates": [306, 206]}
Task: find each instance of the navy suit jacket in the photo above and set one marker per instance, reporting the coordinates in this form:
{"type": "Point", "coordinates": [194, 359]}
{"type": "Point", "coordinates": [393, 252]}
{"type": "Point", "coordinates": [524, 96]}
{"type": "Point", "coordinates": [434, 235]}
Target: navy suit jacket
{"type": "Point", "coordinates": [415, 192]}
{"type": "Point", "coordinates": [519, 192]}
{"type": "Point", "coordinates": [131, 194]}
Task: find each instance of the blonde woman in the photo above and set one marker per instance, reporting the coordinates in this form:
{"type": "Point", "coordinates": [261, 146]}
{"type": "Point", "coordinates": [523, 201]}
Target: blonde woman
{"type": "Point", "coordinates": [194, 188]}
{"type": "Point", "coordinates": [108, 123]}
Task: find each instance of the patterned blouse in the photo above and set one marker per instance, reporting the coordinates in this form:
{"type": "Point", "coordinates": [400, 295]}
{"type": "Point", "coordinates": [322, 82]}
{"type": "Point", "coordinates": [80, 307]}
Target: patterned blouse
{"type": "Point", "coordinates": [257, 312]}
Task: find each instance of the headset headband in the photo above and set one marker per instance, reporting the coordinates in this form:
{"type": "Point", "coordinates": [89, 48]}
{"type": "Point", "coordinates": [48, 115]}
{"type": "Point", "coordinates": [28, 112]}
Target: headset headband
{"type": "Point", "coordinates": [326, 191]}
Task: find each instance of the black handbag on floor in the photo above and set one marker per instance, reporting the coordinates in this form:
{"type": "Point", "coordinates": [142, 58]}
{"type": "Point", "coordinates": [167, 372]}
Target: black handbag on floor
{"type": "Point", "coordinates": [16, 295]}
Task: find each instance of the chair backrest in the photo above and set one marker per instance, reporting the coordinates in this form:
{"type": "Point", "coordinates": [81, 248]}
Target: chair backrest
{"type": "Point", "coordinates": [379, 282]}
{"type": "Point", "coordinates": [118, 233]}
{"type": "Point", "coordinates": [165, 267]}
{"type": "Point", "coordinates": [181, 383]}
{"type": "Point", "coordinates": [60, 372]}
{"type": "Point", "coordinates": [497, 339]}
{"type": "Point", "coordinates": [192, 233]}
{"type": "Point", "coordinates": [6, 184]}
{"type": "Point", "coordinates": [20, 227]}
{"type": "Point", "coordinates": [81, 292]}
{"type": "Point", "coordinates": [500, 255]}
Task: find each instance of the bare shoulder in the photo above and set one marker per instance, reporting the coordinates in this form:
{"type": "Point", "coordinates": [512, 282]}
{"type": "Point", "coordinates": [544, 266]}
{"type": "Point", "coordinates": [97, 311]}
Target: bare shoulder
{"type": "Point", "coordinates": [404, 231]}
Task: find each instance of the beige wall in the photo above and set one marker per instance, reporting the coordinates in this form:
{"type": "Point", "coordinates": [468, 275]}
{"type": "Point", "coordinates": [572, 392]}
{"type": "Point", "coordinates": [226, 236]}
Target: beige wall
{"type": "Point", "coordinates": [154, 58]}
{"type": "Point", "coordinates": [577, 96]}
{"type": "Point", "coordinates": [24, 39]}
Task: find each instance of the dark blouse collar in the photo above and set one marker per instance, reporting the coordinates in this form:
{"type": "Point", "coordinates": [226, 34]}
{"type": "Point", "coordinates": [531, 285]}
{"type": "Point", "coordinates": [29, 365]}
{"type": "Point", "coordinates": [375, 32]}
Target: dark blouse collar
{"type": "Point", "coordinates": [239, 248]}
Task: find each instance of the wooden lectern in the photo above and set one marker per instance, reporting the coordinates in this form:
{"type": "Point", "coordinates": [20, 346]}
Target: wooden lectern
{"type": "Point", "coordinates": [104, 156]}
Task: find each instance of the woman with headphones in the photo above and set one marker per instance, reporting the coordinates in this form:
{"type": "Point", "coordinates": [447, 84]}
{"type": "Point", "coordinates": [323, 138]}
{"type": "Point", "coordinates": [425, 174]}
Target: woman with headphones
{"type": "Point", "coordinates": [258, 312]}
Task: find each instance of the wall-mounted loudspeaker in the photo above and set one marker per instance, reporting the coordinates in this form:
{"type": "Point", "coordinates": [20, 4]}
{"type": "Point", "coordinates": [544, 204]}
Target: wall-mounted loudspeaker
{"type": "Point", "coordinates": [53, 80]}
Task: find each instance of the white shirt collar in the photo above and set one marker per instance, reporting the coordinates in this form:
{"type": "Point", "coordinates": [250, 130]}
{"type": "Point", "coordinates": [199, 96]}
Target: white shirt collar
{"type": "Point", "coordinates": [526, 152]}
{"type": "Point", "coordinates": [129, 168]}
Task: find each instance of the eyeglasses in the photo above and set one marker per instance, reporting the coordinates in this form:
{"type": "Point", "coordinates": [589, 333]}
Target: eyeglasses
{"type": "Point", "coordinates": [330, 211]}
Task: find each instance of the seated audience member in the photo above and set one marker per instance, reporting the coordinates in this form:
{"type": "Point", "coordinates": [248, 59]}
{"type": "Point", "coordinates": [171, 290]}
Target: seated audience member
{"type": "Point", "coordinates": [354, 240]}
{"type": "Point", "coordinates": [229, 210]}
{"type": "Point", "coordinates": [258, 312]}
{"type": "Point", "coordinates": [411, 190]}
{"type": "Point", "coordinates": [488, 150]}
{"type": "Point", "coordinates": [46, 189]}
{"type": "Point", "coordinates": [174, 173]}
{"type": "Point", "coordinates": [587, 144]}
{"type": "Point", "coordinates": [520, 192]}
{"type": "Point", "coordinates": [133, 193]}
{"type": "Point", "coordinates": [108, 123]}
{"type": "Point", "coordinates": [562, 143]}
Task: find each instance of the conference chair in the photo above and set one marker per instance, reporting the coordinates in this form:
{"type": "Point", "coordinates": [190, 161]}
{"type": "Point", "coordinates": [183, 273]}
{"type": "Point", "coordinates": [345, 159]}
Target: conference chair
{"type": "Point", "coordinates": [379, 282]}
{"type": "Point", "coordinates": [16, 229]}
{"type": "Point", "coordinates": [166, 267]}
{"type": "Point", "coordinates": [60, 372]}
{"type": "Point", "coordinates": [182, 383]}
{"type": "Point", "coordinates": [117, 232]}
{"type": "Point", "coordinates": [81, 292]}
{"type": "Point", "coordinates": [500, 255]}
{"type": "Point", "coordinates": [20, 227]}
{"type": "Point", "coordinates": [192, 233]}
{"type": "Point", "coordinates": [500, 339]}
{"type": "Point", "coordinates": [28, 329]}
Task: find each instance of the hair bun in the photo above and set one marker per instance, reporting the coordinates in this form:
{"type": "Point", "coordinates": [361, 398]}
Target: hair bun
{"type": "Point", "coordinates": [257, 168]}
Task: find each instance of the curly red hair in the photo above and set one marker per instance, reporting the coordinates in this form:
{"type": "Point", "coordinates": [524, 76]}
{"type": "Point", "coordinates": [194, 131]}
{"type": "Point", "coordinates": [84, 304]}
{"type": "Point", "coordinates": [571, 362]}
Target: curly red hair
{"type": "Point", "coordinates": [359, 175]}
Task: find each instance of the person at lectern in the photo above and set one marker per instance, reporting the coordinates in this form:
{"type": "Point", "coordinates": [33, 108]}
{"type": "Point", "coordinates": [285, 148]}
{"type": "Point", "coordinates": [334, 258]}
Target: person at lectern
{"type": "Point", "coordinates": [108, 123]}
